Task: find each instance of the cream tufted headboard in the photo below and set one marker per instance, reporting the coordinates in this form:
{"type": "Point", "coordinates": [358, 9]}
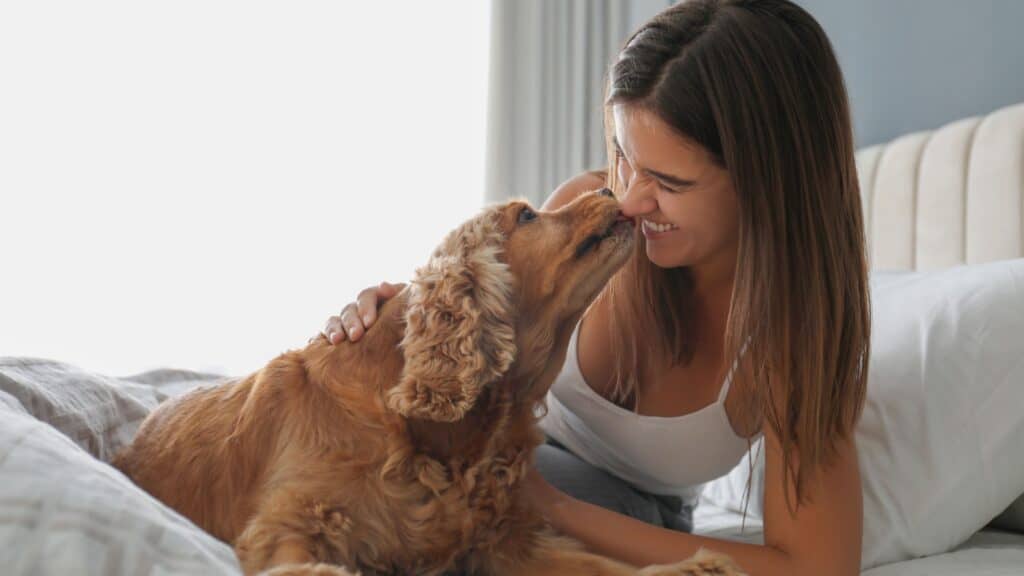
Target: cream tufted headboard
{"type": "Point", "coordinates": [946, 197]}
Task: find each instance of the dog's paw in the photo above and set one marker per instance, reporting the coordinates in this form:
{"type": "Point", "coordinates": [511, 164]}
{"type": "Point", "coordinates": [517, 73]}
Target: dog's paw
{"type": "Point", "coordinates": [703, 563]}
{"type": "Point", "coordinates": [308, 570]}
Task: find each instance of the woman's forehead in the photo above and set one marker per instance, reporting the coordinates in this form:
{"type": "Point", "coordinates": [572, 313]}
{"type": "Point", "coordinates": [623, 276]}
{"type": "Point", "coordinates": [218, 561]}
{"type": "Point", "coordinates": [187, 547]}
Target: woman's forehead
{"type": "Point", "coordinates": [649, 141]}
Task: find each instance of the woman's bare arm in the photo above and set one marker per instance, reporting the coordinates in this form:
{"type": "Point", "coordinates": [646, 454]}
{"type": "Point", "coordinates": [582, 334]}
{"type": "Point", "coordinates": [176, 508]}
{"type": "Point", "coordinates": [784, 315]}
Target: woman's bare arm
{"type": "Point", "coordinates": [823, 536]}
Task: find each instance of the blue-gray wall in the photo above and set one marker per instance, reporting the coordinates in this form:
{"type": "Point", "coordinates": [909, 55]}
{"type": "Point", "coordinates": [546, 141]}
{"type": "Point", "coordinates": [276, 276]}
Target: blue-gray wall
{"type": "Point", "coordinates": [918, 64]}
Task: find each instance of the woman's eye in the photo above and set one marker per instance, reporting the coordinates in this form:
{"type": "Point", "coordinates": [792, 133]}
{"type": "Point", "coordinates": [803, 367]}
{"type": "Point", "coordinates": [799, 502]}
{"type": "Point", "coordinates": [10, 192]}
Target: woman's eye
{"type": "Point", "coordinates": [526, 215]}
{"type": "Point", "coordinates": [624, 174]}
{"type": "Point", "coordinates": [620, 158]}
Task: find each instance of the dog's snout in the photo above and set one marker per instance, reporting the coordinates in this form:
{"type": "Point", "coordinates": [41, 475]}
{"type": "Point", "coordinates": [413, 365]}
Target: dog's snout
{"type": "Point", "coordinates": [606, 192]}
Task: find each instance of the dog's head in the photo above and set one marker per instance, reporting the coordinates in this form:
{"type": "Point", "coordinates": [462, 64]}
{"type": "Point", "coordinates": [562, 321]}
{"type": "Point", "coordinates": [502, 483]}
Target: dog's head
{"type": "Point", "coordinates": [508, 280]}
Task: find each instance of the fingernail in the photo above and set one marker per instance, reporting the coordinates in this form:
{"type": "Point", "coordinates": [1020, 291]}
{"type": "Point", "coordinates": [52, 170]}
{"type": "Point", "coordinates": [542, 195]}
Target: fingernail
{"type": "Point", "coordinates": [333, 338]}
{"type": "Point", "coordinates": [367, 319]}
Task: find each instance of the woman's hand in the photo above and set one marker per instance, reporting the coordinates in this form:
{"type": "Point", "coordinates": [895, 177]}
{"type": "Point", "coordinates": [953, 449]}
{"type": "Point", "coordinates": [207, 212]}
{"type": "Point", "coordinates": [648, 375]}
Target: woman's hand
{"type": "Point", "coordinates": [357, 316]}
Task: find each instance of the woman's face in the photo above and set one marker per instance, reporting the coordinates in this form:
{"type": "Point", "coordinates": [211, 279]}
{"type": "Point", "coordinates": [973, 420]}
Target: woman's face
{"type": "Point", "coordinates": [685, 201]}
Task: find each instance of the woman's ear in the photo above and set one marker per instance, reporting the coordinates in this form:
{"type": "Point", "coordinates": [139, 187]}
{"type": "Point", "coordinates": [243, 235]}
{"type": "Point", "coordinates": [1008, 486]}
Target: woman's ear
{"type": "Point", "coordinates": [459, 326]}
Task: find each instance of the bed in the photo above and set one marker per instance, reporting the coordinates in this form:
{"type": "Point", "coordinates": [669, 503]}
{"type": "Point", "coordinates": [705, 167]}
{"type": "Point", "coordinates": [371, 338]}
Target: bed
{"type": "Point", "coordinates": [933, 201]}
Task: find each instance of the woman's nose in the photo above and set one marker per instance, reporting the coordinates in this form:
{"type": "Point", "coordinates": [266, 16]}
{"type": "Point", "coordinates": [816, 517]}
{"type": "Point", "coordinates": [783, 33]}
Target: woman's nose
{"type": "Point", "coordinates": [635, 202]}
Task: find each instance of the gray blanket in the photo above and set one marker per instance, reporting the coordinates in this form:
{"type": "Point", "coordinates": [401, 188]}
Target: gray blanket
{"type": "Point", "coordinates": [63, 510]}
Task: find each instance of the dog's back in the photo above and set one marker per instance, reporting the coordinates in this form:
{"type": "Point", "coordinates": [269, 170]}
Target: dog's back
{"type": "Point", "coordinates": [210, 453]}
{"type": "Point", "coordinates": [204, 453]}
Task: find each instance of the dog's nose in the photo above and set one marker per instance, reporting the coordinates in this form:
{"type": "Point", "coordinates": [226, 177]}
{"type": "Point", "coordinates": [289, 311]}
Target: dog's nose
{"type": "Point", "coordinates": [606, 192]}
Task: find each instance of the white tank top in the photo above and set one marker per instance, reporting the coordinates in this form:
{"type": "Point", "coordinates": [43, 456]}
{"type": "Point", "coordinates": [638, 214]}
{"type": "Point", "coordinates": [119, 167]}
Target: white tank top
{"type": "Point", "coordinates": [660, 455]}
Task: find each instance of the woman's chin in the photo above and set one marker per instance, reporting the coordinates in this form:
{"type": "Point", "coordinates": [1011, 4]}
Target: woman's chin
{"type": "Point", "coordinates": [662, 260]}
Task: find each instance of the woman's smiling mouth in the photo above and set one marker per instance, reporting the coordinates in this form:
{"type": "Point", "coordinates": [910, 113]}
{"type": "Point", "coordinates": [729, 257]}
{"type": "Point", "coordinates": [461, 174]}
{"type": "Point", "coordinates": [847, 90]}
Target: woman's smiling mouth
{"type": "Point", "coordinates": [654, 230]}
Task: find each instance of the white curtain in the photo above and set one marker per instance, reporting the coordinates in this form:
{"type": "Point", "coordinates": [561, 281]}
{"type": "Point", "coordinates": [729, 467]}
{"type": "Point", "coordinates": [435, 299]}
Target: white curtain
{"type": "Point", "coordinates": [547, 74]}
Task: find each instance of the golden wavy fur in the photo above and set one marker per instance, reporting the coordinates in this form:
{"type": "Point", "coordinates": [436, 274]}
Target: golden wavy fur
{"type": "Point", "coordinates": [404, 452]}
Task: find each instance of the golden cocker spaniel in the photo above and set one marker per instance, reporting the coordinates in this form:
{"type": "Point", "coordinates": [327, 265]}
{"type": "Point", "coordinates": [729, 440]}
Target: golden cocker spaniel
{"type": "Point", "coordinates": [404, 453]}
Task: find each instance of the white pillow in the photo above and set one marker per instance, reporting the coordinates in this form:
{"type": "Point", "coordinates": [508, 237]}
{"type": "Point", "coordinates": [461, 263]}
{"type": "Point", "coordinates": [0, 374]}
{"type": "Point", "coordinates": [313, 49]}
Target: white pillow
{"type": "Point", "coordinates": [99, 413]}
{"type": "Point", "coordinates": [64, 512]}
{"type": "Point", "coordinates": [1012, 518]}
{"type": "Point", "coordinates": [940, 439]}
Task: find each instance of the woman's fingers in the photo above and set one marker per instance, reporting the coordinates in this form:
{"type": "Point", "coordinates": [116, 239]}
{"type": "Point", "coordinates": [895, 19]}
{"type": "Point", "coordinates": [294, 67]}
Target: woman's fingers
{"type": "Point", "coordinates": [357, 316]}
{"type": "Point", "coordinates": [333, 330]}
{"type": "Point", "coordinates": [350, 322]}
{"type": "Point", "coordinates": [373, 298]}
{"type": "Point", "coordinates": [366, 303]}
{"type": "Point", "coordinates": [387, 290]}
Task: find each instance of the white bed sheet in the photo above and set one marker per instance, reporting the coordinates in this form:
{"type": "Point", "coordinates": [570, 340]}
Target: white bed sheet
{"type": "Point", "coordinates": [988, 553]}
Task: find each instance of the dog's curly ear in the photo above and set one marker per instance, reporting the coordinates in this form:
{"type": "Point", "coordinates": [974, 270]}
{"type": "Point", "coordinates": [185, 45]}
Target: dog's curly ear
{"type": "Point", "coordinates": [459, 326]}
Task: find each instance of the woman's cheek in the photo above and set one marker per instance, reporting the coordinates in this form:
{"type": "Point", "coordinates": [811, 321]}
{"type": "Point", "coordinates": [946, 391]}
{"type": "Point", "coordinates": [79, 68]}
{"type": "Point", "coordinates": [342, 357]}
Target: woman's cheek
{"type": "Point", "coordinates": [687, 242]}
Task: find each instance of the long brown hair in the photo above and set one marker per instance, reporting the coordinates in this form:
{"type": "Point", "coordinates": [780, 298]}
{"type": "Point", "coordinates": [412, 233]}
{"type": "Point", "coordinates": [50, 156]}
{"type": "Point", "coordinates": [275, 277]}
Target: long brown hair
{"type": "Point", "coordinates": [756, 83]}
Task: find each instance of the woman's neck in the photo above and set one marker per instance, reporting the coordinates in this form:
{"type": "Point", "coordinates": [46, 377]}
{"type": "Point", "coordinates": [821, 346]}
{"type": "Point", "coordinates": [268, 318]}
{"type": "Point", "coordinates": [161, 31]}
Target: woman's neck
{"type": "Point", "coordinates": [712, 291]}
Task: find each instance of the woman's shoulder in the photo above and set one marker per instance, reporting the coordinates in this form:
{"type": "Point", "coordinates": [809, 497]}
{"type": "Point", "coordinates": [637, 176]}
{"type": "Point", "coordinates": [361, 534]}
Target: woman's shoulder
{"type": "Point", "coordinates": [567, 191]}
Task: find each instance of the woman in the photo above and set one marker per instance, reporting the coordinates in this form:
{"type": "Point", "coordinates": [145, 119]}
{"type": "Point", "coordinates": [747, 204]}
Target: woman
{"type": "Point", "coordinates": [744, 311]}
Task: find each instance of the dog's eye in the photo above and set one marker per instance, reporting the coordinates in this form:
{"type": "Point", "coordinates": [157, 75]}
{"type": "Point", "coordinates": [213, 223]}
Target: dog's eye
{"type": "Point", "coordinates": [526, 214]}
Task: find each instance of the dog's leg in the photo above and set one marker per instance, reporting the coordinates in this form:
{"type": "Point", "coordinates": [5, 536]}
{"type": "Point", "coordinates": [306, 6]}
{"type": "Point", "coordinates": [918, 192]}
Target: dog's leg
{"type": "Point", "coordinates": [278, 554]}
{"type": "Point", "coordinates": [703, 563]}
{"type": "Point", "coordinates": [308, 570]}
{"type": "Point", "coordinates": [277, 546]}
{"type": "Point", "coordinates": [270, 552]}
{"type": "Point", "coordinates": [552, 555]}
{"type": "Point", "coordinates": [547, 554]}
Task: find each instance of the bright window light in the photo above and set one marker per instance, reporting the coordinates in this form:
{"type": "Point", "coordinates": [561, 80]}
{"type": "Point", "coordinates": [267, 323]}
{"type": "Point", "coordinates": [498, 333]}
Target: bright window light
{"type": "Point", "coordinates": [200, 184]}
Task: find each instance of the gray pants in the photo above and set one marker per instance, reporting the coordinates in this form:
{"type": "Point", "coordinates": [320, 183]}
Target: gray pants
{"type": "Point", "coordinates": [567, 472]}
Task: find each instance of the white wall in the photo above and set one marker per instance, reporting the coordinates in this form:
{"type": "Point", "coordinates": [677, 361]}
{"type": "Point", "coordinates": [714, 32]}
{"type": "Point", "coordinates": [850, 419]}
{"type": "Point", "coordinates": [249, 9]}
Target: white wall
{"type": "Point", "coordinates": [199, 184]}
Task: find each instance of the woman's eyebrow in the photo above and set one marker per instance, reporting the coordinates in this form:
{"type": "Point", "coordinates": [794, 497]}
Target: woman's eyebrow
{"type": "Point", "coordinates": [667, 178]}
{"type": "Point", "coordinates": [670, 179]}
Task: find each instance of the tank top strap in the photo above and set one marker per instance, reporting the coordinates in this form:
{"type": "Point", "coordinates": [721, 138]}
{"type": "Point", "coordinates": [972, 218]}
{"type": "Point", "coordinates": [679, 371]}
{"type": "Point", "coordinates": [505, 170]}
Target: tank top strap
{"type": "Point", "coordinates": [732, 369]}
{"type": "Point", "coordinates": [725, 385]}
